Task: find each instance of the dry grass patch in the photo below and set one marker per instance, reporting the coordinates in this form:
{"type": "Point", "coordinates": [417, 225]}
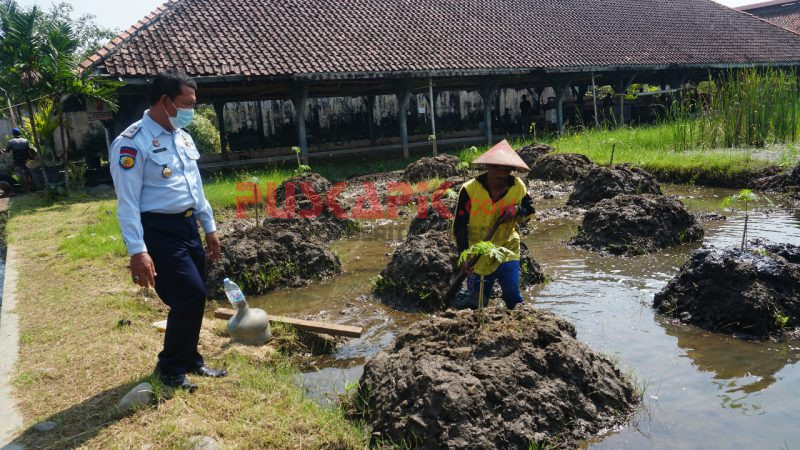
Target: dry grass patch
{"type": "Point", "coordinates": [77, 359]}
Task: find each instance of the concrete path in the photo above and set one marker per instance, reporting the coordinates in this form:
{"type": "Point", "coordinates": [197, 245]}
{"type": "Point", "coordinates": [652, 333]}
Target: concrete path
{"type": "Point", "coordinates": [10, 417]}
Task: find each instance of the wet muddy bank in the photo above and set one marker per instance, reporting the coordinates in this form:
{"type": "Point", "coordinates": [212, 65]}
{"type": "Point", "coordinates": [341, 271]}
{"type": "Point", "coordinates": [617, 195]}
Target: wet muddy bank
{"type": "Point", "coordinates": [500, 379]}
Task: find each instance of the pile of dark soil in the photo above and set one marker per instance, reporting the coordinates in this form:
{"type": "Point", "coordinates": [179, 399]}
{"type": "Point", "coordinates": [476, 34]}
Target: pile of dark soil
{"type": "Point", "coordinates": [530, 272]}
{"type": "Point", "coordinates": [530, 153]}
{"type": "Point", "coordinates": [261, 259]}
{"type": "Point", "coordinates": [325, 225]}
{"type": "Point", "coordinates": [607, 182]}
{"type": "Point", "coordinates": [753, 293]}
{"type": "Point", "coordinates": [510, 380]}
{"type": "Point", "coordinates": [560, 167]}
{"type": "Point", "coordinates": [636, 224]}
{"type": "Point", "coordinates": [441, 166]}
{"type": "Point", "coordinates": [433, 220]}
{"type": "Point", "coordinates": [420, 272]}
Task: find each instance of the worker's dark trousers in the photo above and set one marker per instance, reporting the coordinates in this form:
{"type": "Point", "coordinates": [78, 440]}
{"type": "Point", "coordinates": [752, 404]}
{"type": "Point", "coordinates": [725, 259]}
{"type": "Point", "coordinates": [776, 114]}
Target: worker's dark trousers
{"type": "Point", "coordinates": [174, 245]}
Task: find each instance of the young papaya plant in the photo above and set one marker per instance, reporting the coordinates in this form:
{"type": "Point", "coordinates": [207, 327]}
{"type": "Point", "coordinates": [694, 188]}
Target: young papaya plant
{"type": "Point", "coordinates": [488, 250]}
{"type": "Point", "coordinates": [745, 196]}
{"type": "Point", "coordinates": [301, 168]}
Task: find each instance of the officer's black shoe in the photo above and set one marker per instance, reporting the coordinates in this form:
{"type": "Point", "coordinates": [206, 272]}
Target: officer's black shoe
{"type": "Point", "coordinates": [205, 371]}
{"type": "Point", "coordinates": [178, 382]}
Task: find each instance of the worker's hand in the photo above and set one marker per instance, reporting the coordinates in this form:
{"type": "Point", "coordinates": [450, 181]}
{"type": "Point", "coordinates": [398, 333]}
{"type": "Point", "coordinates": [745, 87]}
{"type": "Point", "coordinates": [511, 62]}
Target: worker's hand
{"type": "Point", "coordinates": [509, 213]}
{"type": "Point", "coordinates": [466, 268]}
{"type": "Point", "coordinates": [212, 246]}
{"type": "Point", "coordinates": [143, 271]}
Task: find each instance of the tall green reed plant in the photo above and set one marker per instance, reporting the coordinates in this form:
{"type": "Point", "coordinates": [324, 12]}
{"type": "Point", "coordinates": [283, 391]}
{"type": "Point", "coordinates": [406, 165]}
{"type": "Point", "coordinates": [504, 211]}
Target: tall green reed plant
{"type": "Point", "coordinates": [743, 108]}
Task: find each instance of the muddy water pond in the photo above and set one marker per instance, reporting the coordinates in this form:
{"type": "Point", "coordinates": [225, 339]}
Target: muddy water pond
{"type": "Point", "coordinates": [702, 390]}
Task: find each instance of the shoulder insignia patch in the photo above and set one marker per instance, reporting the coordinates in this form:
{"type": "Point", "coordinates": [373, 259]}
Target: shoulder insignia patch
{"type": "Point", "coordinates": [127, 157]}
{"type": "Point", "coordinates": [131, 131]}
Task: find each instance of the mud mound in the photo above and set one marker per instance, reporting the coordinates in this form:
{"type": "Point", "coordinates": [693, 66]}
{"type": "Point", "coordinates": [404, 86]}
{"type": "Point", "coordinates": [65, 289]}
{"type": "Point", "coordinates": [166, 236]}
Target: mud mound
{"type": "Point", "coordinates": [636, 224]}
{"type": "Point", "coordinates": [441, 166]}
{"type": "Point", "coordinates": [752, 293]}
{"type": "Point", "coordinates": [323, 223]}
{"type": "Point", "coordinates": [433, 220]}
{"type": "Point", "coordinates": [422, 268]}
{"type": "Point", "coordinates": [530, 272]}
{"type": "Point", "coordinates": [607, 182]}
{"type": "Point", "coordinates": [519, 378]}
{"type": "Point", "coordinates": [530, 153]}
{"type": "Point", "coordinates": [260, 260]}
{"type": "Point", "coordinates": [419, 272]}
{"type": "Point", "coordinates": [560, 167]}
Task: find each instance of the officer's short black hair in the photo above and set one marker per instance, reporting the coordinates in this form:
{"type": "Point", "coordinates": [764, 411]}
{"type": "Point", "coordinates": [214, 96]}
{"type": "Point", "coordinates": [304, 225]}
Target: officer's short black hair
{"type": "Point", "coordinates": [169, 83]}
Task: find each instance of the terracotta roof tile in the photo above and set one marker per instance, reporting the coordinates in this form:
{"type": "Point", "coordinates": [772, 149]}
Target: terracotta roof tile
{"type": "Point", "coordinates": [303, 37]}
{"type": "Point", "coordinates": [785, 14]}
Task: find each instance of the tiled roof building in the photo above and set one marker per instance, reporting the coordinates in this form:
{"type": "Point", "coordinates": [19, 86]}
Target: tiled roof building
{"type": "Point", "coordinates": [248, 50]}
{"type": "Point", "coordinates": [357, 38]}
{"type": "Point", "coordinates": [784, 13]}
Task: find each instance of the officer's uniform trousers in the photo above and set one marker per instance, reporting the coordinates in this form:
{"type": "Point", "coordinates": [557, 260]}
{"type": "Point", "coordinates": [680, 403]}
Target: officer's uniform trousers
{"type": "Point", "coordinates": [180, 261]}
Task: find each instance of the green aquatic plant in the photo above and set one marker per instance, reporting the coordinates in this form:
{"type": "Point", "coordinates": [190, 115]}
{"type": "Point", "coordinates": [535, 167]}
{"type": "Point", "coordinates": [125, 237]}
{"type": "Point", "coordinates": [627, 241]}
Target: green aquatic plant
{"type": "Point", "coordinates": [745, 196]}
{"type": "Point", "coordinates": [781, 320]}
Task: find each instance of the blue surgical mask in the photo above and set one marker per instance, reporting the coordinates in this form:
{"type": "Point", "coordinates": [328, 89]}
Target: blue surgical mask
{"type": "Point", "coordinates": [183, 118]}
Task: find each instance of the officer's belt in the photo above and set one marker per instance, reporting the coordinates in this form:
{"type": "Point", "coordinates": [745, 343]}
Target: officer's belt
{"type": "Point", "coordinates": [188, 213]}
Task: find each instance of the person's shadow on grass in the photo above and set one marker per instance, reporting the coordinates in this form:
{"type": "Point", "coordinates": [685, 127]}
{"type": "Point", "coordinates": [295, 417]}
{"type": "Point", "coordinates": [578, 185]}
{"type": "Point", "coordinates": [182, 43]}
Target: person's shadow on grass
{"type": "Point", "coordinates": [79, 423]}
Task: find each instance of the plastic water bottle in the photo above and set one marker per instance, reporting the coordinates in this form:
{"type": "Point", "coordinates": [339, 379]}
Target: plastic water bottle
{"type": "Point", "coordinates": [234, 294]}
{"type": "Point", "coordinates": [248, 326]}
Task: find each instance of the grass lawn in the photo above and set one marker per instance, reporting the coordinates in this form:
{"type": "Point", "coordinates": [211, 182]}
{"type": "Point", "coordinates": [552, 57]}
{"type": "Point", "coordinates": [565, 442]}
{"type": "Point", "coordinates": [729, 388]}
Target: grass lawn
{"type": "Point", "coordinates": [76, 361]}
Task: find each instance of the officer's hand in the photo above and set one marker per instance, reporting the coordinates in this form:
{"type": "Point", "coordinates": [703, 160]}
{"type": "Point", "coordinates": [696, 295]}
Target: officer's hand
{"type": "Point", "coordinates": [142, 270]}
{"type": "Point", "coordinates": [212, 246]}
{"type": "Point", "coordinates": [509, 213]}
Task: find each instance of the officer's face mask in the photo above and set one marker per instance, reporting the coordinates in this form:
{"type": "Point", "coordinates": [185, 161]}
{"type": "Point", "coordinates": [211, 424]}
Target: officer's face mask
{"type": "Point", "coordinates": [182, 119]}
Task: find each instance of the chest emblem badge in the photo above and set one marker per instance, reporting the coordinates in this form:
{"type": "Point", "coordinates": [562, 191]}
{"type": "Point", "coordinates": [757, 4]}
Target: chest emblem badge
{"type": "Point", "coordinates": [166, 172]}
{"type": "Point", "coordinates": [156, 143]}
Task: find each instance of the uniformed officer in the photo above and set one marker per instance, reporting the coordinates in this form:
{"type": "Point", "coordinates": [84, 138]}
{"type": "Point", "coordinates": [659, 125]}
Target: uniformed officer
{"type": "Point", "coordinates": [160, 200]}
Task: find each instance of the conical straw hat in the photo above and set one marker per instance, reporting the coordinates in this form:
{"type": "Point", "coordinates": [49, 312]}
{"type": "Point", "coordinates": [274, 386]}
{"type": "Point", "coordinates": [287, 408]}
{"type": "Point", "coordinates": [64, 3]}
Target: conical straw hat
{"type": "Point", "coordinates": [502, 155]}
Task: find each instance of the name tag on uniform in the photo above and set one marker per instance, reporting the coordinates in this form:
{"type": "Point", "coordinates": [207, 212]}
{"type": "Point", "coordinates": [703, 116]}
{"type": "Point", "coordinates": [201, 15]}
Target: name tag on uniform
{"type": "Point", "coordinates": [160, 150]}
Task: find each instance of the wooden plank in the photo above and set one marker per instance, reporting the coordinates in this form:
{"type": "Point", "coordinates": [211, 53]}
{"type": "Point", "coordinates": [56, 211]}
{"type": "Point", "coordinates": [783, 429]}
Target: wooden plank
{"type": "Point", "coordinates": [332, 329]}
{"type": "Point", "coordinates": [161, 325]}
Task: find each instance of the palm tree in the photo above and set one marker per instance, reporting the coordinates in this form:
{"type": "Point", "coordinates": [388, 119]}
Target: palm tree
{"type": "Point", "coordinates": [22, 53]}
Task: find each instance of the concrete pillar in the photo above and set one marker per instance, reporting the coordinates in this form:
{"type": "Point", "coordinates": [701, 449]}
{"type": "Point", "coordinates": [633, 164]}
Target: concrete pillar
{"type": "Point", "coordinates": [260, 122]}
{"type": "Point", "coordinates": [560, 91]}
{"type": "Point", "coordinates": [219, 109]}
{"type": "Point", "coordinates": [621, 85]}
{"type": "Point", "coordinates": [403, 97]}
{"type": "Point", "coordinates": [371, 116]}
{"type": "Point", "coordinates": [299, 100]}
{"type": "Point", "coordinates": [488, 92]}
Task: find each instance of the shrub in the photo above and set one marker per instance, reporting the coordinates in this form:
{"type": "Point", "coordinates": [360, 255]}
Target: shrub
{"type": "Point", "coordinates": [204, 131]}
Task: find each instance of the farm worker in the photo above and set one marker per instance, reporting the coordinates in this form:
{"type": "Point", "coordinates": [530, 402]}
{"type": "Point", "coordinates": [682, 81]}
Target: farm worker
{"type": "Point", "coordinates": [481, 201]}
{"type": "Point", "coordinates": [160, 201]}
{"type": "Point", "coordinates": [21, 152]}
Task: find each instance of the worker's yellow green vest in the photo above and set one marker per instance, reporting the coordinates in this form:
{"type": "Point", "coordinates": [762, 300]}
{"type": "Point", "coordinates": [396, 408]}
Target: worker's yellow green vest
{"type": "Point", "coordinates": [483, 213]}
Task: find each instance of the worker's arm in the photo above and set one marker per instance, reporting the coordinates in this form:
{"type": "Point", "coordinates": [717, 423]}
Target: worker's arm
{"type": "Point", "coordinates": [461, 222]}
{"type": "Point", "coordinates": [525, 208]}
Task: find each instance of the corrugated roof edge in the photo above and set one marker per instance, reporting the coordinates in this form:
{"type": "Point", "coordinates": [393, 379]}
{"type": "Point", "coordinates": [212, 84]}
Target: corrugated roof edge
{"type": "Point", "coordinates": [555, 71]}
{"type": "Point", "coordinates": [116, 43]}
